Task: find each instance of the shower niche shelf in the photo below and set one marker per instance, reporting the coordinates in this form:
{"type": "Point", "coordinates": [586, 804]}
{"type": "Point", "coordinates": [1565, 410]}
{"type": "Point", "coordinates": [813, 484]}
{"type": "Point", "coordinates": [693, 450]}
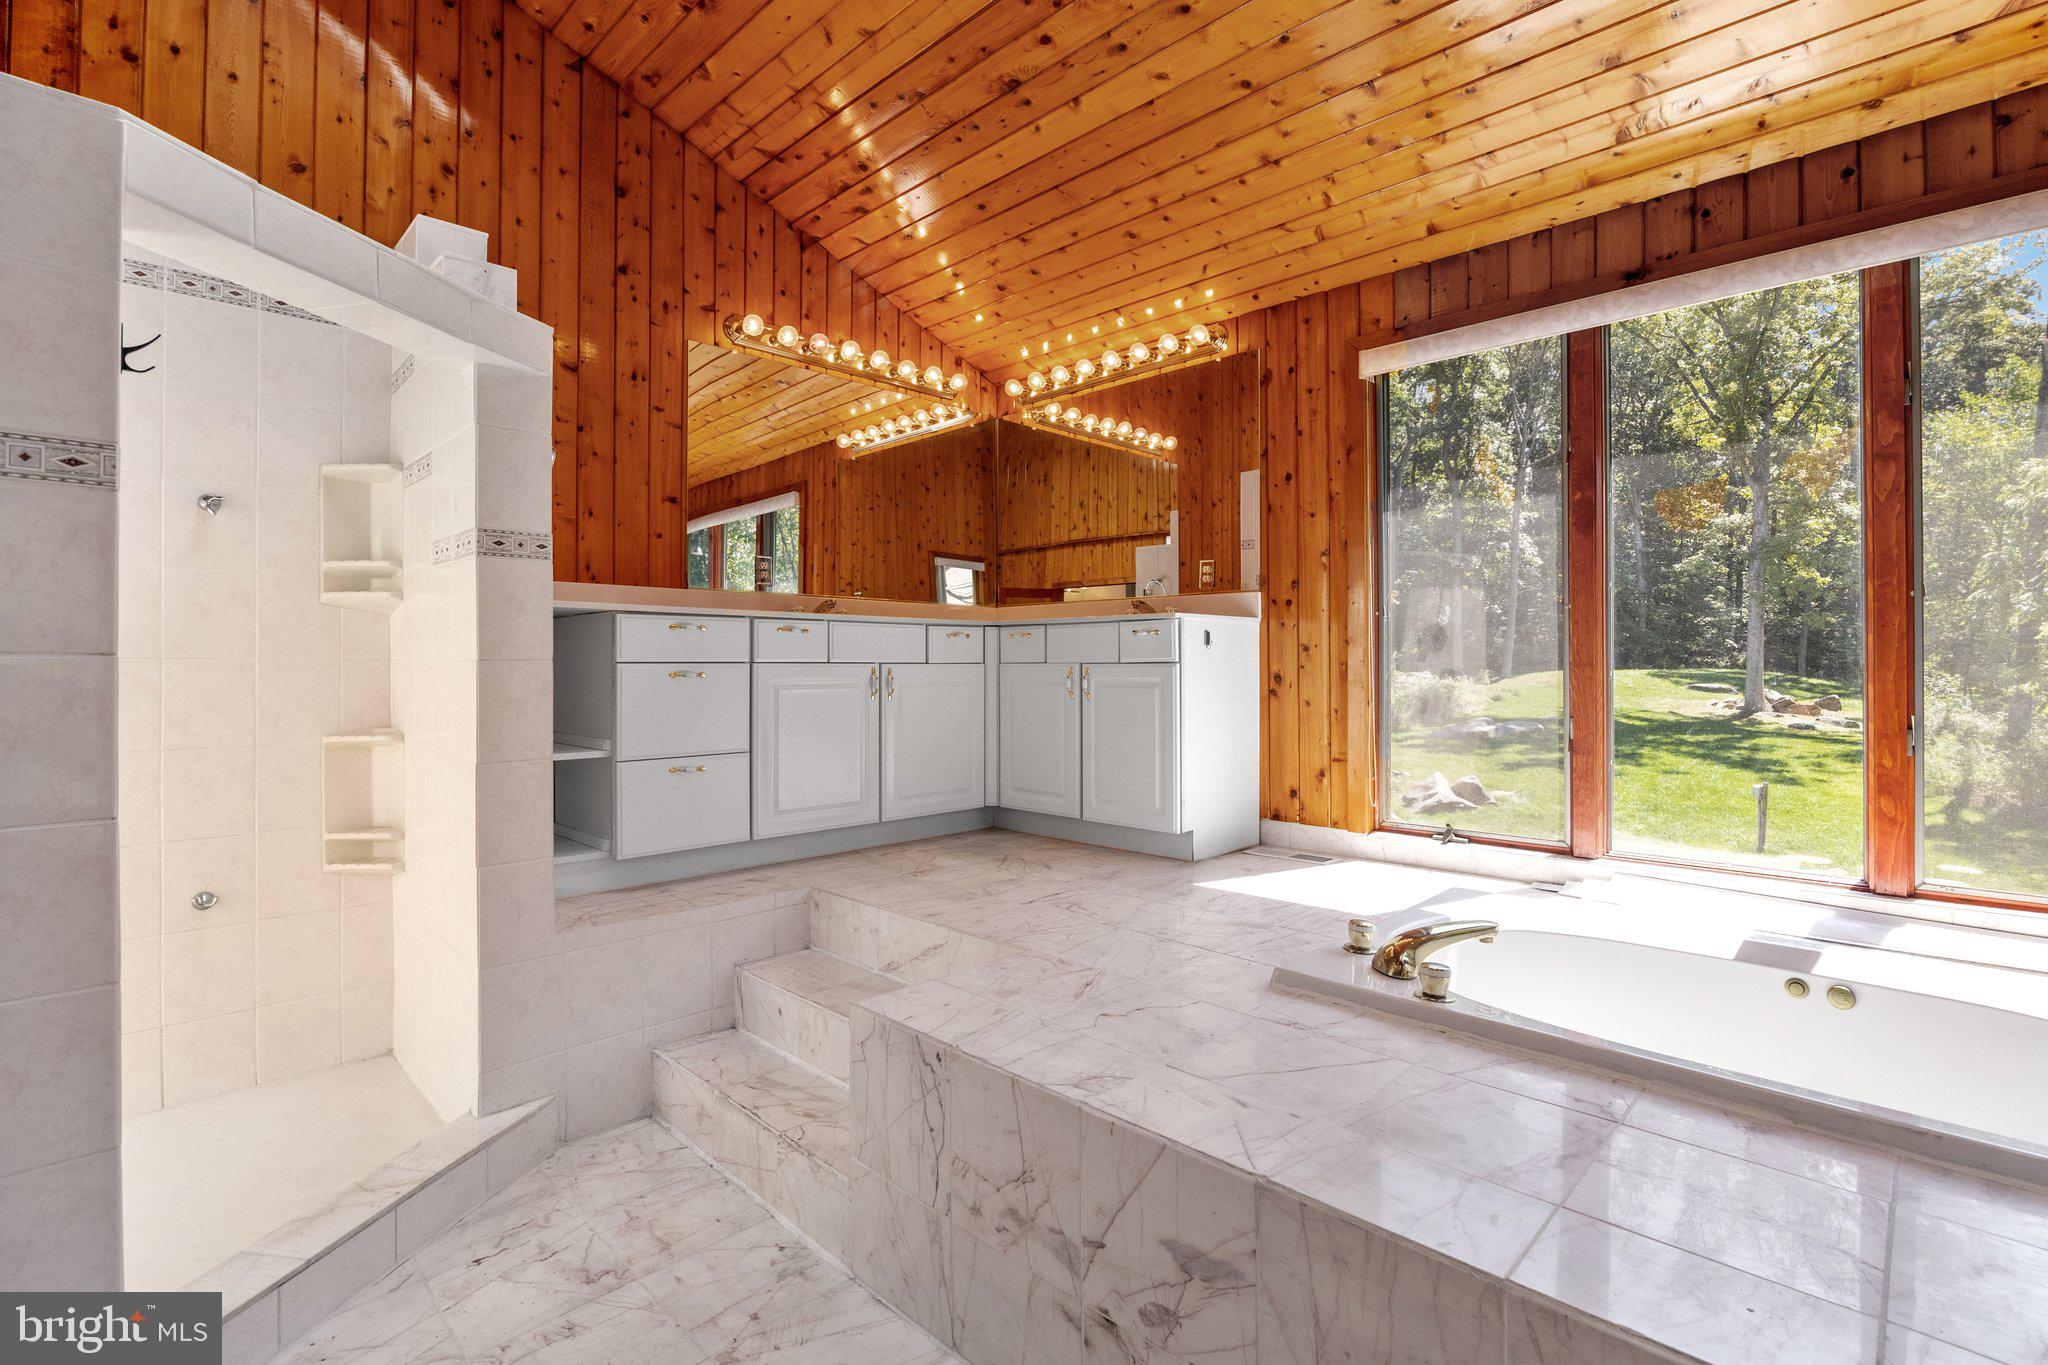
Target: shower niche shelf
{"type": "Point", "coordinates": [363, 802]}
{"type": "Point", "coordinates": [361, 531]}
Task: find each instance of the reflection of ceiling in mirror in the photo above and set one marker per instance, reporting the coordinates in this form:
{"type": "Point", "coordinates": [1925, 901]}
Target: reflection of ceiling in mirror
{"type": "Point", "coordinates": [746, 410]}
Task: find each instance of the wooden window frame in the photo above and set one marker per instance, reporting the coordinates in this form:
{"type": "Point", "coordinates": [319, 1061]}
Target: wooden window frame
{"type": "Point", "coordinates": [1891, 564]}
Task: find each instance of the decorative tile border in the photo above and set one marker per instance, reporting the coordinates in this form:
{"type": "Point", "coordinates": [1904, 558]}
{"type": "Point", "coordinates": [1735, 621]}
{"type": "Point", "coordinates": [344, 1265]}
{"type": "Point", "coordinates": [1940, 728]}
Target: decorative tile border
{"type": "Point", "coordinates": [197, 284]}
{"type": "Point", "coordinates": [515, 544]}
{"type": "Point", "coordinates": [403, 372]}
{"type": "Point", "coordinates": [418, 469]}
{"type": "Point", "coordinates": [497, 544]}
{"type": "Point", "coordinates": [58, 459]}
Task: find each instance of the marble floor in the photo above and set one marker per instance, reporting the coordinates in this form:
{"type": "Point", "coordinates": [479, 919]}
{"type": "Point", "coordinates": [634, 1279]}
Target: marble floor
{"type": "Point", "coordinates": [621, 1248]}
{"type": "Point", "coordinates": [201, 1181]}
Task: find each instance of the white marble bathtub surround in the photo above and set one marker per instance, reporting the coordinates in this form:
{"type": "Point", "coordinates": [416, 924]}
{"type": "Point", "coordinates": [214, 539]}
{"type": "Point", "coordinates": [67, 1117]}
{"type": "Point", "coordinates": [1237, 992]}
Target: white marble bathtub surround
{"type": "Point", "coordinates": [60, 1045]}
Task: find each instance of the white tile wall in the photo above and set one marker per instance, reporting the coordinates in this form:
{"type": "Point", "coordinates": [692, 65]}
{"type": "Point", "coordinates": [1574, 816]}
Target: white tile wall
{"type": "Point", "coordinates": [60, 162]}
{"type": "Point", "coordinates": [231, 671]}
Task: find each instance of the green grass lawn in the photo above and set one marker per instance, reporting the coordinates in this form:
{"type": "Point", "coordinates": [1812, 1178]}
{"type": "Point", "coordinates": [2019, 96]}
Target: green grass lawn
{"type": "Point", "coordinates": [1682, 777]}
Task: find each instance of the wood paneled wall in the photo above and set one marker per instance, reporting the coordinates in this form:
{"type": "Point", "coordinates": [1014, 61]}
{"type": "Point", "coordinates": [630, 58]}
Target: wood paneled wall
{"type": "Point", "coordinates": [627, 240]}
{"type": "Point", "coordinates": [1070, 512]}
{"type": "Point", "coordinates": [1319, 730]}
{"type": "Point", "coordinates": [871, 525]}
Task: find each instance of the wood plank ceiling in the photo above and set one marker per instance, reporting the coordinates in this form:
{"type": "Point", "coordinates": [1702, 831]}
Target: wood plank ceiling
{"type": "Point", "coordinates": [1046, 177]}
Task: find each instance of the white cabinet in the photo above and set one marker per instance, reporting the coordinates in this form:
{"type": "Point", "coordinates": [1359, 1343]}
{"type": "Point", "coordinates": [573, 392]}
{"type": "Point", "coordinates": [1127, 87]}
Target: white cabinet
{"type": "Point", "coordinates": [670, 709]}
{"type": "Point", "coordinates": [1040, 722]}
{"type": "Point", "coordinates": [932, 733]}
{"type": "Point", "coordinates": [817, 747]}
{"type": "Point", "coordinates": [1130, 746]}
{"type": "Point", "coordinates": [666, 805]}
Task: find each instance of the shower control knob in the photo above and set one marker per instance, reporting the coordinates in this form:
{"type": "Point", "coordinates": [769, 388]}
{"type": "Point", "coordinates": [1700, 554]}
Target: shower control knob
{"type": "Point", "coordinates": [1436, 981]}
{"type": "Point", "coordinates": [1358, 936]}
{"type": "Point", "coordinates": [205, 900]}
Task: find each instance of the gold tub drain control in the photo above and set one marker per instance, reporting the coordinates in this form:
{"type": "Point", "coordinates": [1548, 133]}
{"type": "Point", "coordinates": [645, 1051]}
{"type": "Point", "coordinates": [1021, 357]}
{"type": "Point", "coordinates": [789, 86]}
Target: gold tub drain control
{"type": "Point", "coordinates": [1796, 987]}
{"type": "Point", "coordinates": [1841, 997]}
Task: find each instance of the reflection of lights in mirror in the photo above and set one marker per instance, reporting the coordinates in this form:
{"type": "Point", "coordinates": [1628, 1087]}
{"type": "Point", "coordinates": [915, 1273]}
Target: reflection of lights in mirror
{"type": "Point", "coordinates": [894, 430]}
{"type": "Point", "coordinates": [1111, 431]}
{"type": "Point", "coordinates": [1199, 342]}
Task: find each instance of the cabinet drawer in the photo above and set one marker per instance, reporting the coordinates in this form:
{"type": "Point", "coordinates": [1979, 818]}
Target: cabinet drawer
{"type": "Point", "coordinates": [666, 804]}
{"type": "Point", "coordinates": [789, 642]}
{"type": "Point", "coordinates": [874, 642]}
{"type": "Point", "coordinates": [682, 710]}
{"type": "Point", "coordinates": [1023, 644]}
{"type": "Point", "coordinates": [1094, 643]}
{"type": "Point", "coordinates": [952, 644]}
{"type": "Point", "coordinates": [1154, 642]}
{"type": "Point", "coordinates": [682, 639]}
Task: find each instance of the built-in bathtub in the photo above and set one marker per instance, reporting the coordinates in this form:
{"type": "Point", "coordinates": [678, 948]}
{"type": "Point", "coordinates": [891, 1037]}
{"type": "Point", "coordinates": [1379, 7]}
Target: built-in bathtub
{"type": "Point", "coordinates": [1939, 1056]}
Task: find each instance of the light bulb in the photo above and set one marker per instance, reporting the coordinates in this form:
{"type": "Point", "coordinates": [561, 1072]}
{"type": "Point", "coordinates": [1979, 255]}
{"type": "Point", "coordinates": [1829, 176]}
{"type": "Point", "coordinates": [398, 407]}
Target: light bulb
{"type": "Point", "coordinates": [1123, 428]}
{"type": "Point", "coordinates": [1198, 335]}
{"type": "Point", "coordinates": [957, 382]}
{"type": "Point", "coordinates": [879, 359]}
{"type": "Point", "coordinates": [849, 350]}
{"type": "Point", "coordinates": [1140, 353]}
{"type": "Point", "coordinates": [1013, 387]}
{"type": "Point", "coordinates": [787, 337]}
{"type": "Point", "coordinates": [1138, 435]}
{"type": "Point", "coordinates": [1168, 344]}
{"type": "Point", "coordinates": [1035, 381]}
{"type": "Point", "coordinates": [1073, 414]}
{"type": "Point", "coordinates": [1088, 422]}
{"type": "Point", "coordinates": [844, 440]}
{"type": "Point", "coordinates": [1110, 360]}
{"type": "Point", "coordinates": [1060, 375]}
{"type": "Point", "coordinates": [753, 325]}
{"type": "Point", "coordinates": [1153, 441]}
{"type": "Point", "coordinates": [906, 369]}
{"type": "Point", "coordinates": [1083, 368]}
{"type": "Point", "coordinates": [1171, 443]}
{"type": "Point", "coordinates": [821, 343]}
{"type": "Point", "coordinates": [932, 376]}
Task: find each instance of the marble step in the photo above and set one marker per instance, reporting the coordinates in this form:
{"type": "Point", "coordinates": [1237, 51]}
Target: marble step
{"type": "Point", "coordinates": [799, 1002]}
{"type": "Point", "coordinates": [770, 1122]}
{"type": "Point", "coordinates": [899, 946]}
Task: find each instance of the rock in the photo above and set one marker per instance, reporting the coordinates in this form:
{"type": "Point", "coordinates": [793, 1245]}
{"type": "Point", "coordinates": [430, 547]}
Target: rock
{"type": "Point", "coordinates": [1472, 727]}
{"type": "Point", "coordinates": [1799, 708]}
{"type": "Point", "coordinates": [1712, 687]}
{"type": "Point", "coordinates": [1505, 728]}
{"type": "Point", "coordinates": [1802, 725]}
{"type": "Point", "coordinates": [1434, 796]}
{"type": "Point", "coordinates": [1773, 697]}
{"type": "Point", "coordinates": [1472, 790]}
{"type": "Point", "coordinates": [1830, 702]}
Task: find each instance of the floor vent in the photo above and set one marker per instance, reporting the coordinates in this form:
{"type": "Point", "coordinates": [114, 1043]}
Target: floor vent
{"type": "Point", "coordinates": [1289, 855]}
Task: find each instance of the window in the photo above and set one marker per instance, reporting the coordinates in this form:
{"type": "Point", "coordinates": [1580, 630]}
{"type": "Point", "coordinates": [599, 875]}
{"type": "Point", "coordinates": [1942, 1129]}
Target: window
{"type": "Point", "coordinates": [1473, 575]}
{"type": "Point", "coordinates": [1984, 565]}
{"type": "Point", "coordinates": [958, 580]}
{"type": "Point", "coordinates": [755, 548]}
{"type": "Point", "coordinates": [1735, 564]}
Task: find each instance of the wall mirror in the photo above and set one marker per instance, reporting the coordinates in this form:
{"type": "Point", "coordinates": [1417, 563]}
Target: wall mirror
{"type": "Point", "coordinates": [984, 512]}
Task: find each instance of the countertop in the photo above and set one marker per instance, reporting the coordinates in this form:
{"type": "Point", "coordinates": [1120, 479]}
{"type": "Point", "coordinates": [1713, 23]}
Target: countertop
{"type": "Point", "coordinates": [578, 597]}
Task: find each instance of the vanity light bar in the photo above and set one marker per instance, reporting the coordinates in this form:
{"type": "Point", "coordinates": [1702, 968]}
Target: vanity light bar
{"type": "Point", "coordinates": [753, 333]}
{"type": "Point", "coordinates": [1107, 430]}
{"type": "Point", "coordinates": [1172, 349]}
{"type": "Point", "coordinates": [895, 430]}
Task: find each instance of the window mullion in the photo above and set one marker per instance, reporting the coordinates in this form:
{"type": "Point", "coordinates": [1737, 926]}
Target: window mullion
{"type": "Point", "coordinates": [1890, 650]}
{"type": "Point", "coordinates": [1587, 687]}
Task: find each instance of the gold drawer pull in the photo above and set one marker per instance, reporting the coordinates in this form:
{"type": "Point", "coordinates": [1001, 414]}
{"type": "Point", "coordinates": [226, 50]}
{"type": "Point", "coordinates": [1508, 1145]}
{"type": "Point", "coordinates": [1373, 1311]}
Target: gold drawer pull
{"type": "Point", "coordinates": [686, 673]}
{"type": "Point", "coordinates": [784, 630]}
{"type": "Point", "coordinates": [1152, 631]}
{"type": "Point", "coordinates": [698, 769]}
{"type": "Point", "coordinates": [956, 635]}
{"type": "Point", "coordinates": [687, 625]}
{"type": "Point", "coordinates": [1020, 635]}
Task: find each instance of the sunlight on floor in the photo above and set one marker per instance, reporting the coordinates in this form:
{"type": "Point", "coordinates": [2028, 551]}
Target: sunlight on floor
{"type": "Point", "coordinates": [202, 1181]}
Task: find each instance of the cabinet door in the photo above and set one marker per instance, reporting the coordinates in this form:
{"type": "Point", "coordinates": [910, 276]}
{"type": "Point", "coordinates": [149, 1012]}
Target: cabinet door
{"type": "Point", "coordinates": [1130, 746]}
{"type": "Point", "coordinates": [1040, 745]}
{"type": "Point", "coordinates": [931, 738]}
{"type": "Point", "coordinates": [817, 747]}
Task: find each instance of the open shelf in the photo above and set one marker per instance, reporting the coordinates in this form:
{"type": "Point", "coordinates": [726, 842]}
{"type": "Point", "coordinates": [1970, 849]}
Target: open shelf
{"type": "Point", "coordinates": [363, 802]}
{"type": "Point", "coordinates": [361, 528]}
{"type": "Point", "coordinates": [566, 752]}
{"type": "Point", "coordinates": [567, 850]}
